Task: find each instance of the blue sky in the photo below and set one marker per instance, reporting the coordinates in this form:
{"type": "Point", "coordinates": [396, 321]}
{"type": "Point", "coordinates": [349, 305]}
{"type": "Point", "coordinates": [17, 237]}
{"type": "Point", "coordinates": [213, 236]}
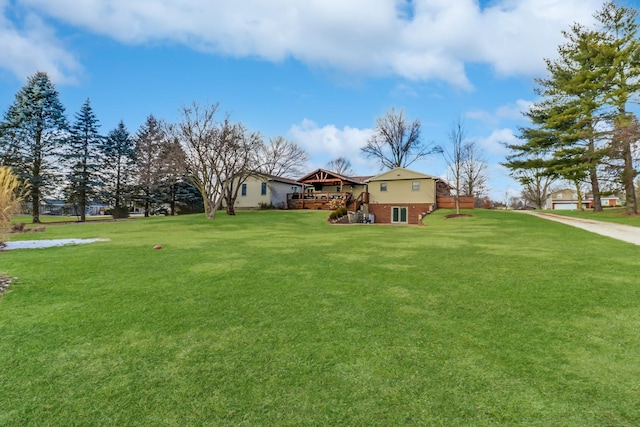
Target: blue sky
{"type": "Point", "coordinates": [318, 72]}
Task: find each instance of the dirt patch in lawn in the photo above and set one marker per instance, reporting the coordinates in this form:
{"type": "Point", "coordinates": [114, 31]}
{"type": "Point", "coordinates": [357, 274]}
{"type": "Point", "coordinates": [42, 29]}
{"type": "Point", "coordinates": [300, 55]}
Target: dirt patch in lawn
{"type": "Point", "coordinates": [456, 216]}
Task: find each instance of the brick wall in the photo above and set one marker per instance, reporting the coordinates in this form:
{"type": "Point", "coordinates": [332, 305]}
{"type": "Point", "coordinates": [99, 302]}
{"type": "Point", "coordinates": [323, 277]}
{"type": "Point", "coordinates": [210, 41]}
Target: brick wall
{"type": "Point", "coordinates": [382, 212]}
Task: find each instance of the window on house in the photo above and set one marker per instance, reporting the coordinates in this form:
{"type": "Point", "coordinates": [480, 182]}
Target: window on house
{"type": "Point", "coordinates": [399, 214]}
{"type": "Point", "coordinates": [559, 196]}
{"type": "Point", "coordinates": [415, 186]}
{"type": "Point", "coordinates": [244, 189]}
{"type": "Point", "coordinates": [383, 186]}
{"type": "Point", "coordinates": [263, 189]}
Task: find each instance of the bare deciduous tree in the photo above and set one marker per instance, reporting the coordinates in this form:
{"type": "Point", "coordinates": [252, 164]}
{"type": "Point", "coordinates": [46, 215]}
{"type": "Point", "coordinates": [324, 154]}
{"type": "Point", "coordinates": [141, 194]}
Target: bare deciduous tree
{"type": "Point", "coordinates": [341, 166]}
{"type": "Point", "coordinates": [536, 185]}
{"type": "Point", "coordinates": [625, 136]}
{"type": "Point", "coordinates": [474, 170]}
{"type": "Point", "coordinates": [454, 156]}
{"type": "Point", "coordinates": [199, 135]}
{"type": "Point", "coordinates": [281, 157]}
{"type": "Point", "coordinates": [396, 142]}
{"type": "Point", "coordinates": [239, 152]}
{"type": "Point", "coordinates": [218, 156]}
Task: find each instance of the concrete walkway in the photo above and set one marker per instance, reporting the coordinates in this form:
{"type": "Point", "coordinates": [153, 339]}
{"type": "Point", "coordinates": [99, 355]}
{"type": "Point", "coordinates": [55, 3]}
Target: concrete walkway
{"type": "Point", "coordinates": [626, 233]}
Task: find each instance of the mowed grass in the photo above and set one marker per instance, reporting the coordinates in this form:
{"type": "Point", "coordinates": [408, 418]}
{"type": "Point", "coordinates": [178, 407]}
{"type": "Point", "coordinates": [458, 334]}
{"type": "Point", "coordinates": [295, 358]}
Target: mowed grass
{"type": "Point", "coordinates": [277, 318]}
{"type": "Point", "coordinates": [46, 219]}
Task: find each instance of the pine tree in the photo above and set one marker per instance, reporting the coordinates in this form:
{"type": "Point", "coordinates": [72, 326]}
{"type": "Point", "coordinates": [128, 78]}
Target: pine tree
{"type": "Point", "coordinates": [172, 170]}
{"type": "Point", "coordinates": [33, 134]}
{"type": "Point", "coordinates": [619, 58]}
{"type": "Point", "coordinates": [83, 156]}
{"type": "Point", "coordinates": [118, 152]}
{"type": "Point", "coordinates": [583, 120]}
{"type": "Point", "coordinates": [148, 145]}
{"type": "Point", "coordinates": [564, 140]}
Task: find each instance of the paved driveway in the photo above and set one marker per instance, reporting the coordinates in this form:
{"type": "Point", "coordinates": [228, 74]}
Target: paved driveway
{"type": "Point", "coordinates": [626, 233]}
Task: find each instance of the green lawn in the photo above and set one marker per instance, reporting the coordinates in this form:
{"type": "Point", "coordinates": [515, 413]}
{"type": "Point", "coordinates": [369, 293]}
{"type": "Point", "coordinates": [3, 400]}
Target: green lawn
{"type": "Point", "coordinates": [277, 318]}
{"type": "Point", "coordinates": [45, 219]}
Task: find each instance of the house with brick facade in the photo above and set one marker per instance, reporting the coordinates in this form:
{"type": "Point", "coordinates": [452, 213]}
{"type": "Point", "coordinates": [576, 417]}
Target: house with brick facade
{"type": "Point", "coordinates": [401, 196]}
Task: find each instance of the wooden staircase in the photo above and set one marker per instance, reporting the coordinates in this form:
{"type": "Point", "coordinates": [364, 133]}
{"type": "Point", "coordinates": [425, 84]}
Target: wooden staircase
{"type": "Point", "coordinates": [355, 204]}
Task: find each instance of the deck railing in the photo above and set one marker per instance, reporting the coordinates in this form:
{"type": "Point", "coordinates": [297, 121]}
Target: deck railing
{"type": "Point", "coordinates": [324, 199]}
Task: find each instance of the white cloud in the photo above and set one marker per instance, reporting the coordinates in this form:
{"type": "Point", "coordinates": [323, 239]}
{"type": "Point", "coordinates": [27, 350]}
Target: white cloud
{"type": "Point", "coordinates": [34, 47]}
{"type": "Point", "coordinates": [511, 112]}
{"type": "Point", "coordinates": [328, 142]}
{"type": "Point", "coordinates": [424, 40]}
{"type": "Point", "coordinates": [494, 143]}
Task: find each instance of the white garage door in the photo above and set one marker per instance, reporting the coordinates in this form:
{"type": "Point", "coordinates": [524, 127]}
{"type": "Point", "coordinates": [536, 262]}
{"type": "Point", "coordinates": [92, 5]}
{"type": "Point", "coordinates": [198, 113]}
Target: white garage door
{"type": "Point", "coordinates": [566, 206]}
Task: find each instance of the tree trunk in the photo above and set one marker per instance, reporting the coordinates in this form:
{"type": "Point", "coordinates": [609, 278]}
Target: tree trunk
{"type": "Point", "coordinates": [173, 200]}
{"type": "Point", "coordinates": [210, 208]}
{"type": "Point", "coordinates": [579, 194]}
{"type": "Point", "coordinates": [35, 205]}
{"type": "Point", "coordinates": [147, 206]}
{"type": "Point", "coordinates": [229, 202]}
{"type": "Point", "coordinates": [628, 175]}
{"type": "Point", "coordinates": [593, 175]}
{"type": "Point", "coordinates": [83, 206]}
{"type": "Point", "coordinates": [595, 189]}
{"type": "Point", "coordinates": [117, 204]}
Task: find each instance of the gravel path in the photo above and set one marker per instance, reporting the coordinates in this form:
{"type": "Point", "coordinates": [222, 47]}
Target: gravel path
{"type": "Point", "coordinates": [626, 233]}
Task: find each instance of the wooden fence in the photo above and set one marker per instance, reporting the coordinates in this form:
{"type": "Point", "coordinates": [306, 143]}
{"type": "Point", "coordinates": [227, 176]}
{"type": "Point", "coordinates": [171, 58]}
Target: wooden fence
{"type": "Point", "coordinates": [449, 202]}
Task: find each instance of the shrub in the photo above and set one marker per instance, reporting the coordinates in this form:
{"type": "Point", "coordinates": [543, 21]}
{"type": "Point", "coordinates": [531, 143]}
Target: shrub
{"type": "Point", "coordinates": [338, 213]}
{"type": "Point", "coordinates": [119, 212]}
{"type": "Point", "coordinates": [265, 206]}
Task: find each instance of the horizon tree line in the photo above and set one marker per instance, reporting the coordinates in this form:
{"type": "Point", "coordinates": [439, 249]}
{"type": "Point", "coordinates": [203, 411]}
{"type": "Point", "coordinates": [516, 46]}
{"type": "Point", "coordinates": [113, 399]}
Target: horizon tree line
{"type": "Point", "coordinates": [582, 129]}
{"type": "Point", "coordinates": [201, 159]}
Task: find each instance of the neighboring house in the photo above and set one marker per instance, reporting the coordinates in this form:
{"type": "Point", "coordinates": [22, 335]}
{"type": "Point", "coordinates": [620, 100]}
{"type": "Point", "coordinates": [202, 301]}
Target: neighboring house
{"type": "Point", "coordinates": [60, 207]}
{"type": "Point", "coordinates": [401, 196]}
{"type": "Point", "coordinates": [567, 199]}
{"type": "Point", "coordinates": [266, 190]}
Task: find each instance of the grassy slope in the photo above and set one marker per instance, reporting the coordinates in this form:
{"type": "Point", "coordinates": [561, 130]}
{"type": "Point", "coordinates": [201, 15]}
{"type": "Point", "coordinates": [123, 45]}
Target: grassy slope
{"type": "Point", "coordinates": [278, 318]}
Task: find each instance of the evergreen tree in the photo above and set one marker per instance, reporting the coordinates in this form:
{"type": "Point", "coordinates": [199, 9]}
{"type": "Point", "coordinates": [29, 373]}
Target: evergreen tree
{"type": "Point", "coordinates": [33, 134]}
{"type": "Point", "coordinates": [172, 170]}
{"type": "Point", "coordinates": [83, 156]}
{"type": "Point", "coordinates": [583, 119]}
{"type": "Point", "coordinates": [118, 152]}
{"type": "Point", "coordinates": [564, 140]}
{"type": "Point", "coordinates": [619, 60]}
{"type": "Point", "coordinates": [149, 140]}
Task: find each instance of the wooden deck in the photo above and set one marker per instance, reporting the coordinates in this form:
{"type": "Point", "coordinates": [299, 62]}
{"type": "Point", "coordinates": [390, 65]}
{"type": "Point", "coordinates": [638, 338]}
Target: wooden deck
{"type": "Point", "coordinates": [325, 201]}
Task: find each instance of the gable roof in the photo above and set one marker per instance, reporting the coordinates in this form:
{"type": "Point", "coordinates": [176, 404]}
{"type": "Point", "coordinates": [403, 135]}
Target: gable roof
{"type": "Point", "coordinates": [323, 175]}
{"type": "Point", "coordinates": [278, 178]}
{"type": "Point", "coordinates": [397, 174]}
